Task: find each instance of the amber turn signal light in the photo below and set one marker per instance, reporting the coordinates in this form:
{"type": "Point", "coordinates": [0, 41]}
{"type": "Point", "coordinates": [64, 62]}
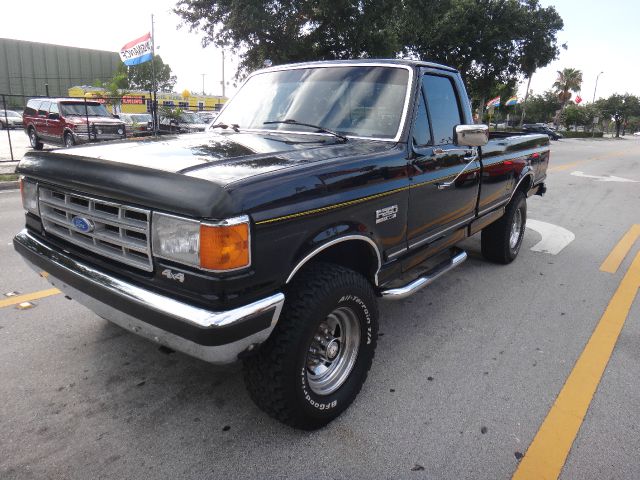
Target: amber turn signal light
{"type": "Point", "coordinates": [224, 247]}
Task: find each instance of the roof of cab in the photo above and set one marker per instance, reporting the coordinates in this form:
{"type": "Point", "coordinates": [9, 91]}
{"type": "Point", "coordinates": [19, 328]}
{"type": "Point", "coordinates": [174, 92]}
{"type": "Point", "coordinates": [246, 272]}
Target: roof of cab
{"type": "Point", "coordinates": [389, 61]}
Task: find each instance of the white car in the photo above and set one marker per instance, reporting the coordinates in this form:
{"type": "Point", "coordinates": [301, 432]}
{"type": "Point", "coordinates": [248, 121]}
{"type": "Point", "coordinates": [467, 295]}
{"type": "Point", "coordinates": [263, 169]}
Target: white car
{"type": "Point", "coordinates": [12, 120]}
{"type": "Point", "coordinates": [637, 134]}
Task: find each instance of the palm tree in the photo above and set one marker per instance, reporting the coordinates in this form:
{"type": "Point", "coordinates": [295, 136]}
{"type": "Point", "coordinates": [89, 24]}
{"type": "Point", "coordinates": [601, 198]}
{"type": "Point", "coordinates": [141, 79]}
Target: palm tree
{"type": "Point", "coordinates": [569, 80]}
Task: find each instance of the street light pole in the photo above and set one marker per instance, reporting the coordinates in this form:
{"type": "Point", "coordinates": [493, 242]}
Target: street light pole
{"type": "Point", "coordinates": [203, 74]}
{"type": "Point", "coordinates": [596, 87]}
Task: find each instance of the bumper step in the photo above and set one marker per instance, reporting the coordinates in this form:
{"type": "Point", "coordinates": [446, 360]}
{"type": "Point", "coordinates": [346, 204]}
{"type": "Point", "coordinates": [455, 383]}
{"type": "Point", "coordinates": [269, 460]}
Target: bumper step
{"type": "Point", "coordinates": [458, 256]}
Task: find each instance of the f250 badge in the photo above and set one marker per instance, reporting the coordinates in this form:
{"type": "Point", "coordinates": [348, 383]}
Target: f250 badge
{"type": "Point", "coordinates": [173, 276]}
{"type": "Point", "coordinates": [386, 213]}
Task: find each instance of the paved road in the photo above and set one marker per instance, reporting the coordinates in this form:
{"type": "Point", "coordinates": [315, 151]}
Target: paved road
{"type": "Point", "coordinates": [464, 376]}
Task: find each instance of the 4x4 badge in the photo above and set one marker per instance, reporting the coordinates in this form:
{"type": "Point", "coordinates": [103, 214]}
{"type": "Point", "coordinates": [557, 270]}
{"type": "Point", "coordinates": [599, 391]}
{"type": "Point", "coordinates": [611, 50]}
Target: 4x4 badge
{"type": "Point", "coordinates": [173, 276]}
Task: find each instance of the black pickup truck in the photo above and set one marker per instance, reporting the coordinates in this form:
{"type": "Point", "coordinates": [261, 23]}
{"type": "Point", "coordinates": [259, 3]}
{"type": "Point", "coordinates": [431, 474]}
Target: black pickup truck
{"type": "Point", "coordinates": [270, 237]}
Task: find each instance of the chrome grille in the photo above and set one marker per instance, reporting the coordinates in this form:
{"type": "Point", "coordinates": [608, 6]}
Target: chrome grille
{"type": "Point", "coordinates": [120, 232]}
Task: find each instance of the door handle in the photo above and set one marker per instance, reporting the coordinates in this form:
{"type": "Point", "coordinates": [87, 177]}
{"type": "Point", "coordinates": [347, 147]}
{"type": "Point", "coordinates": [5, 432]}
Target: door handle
{"type": "Point", "coordinates": [471, 158]}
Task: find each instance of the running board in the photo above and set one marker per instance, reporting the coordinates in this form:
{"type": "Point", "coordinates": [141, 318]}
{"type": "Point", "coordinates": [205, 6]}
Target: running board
{"type": "Point", "coordinates": [427, 279]}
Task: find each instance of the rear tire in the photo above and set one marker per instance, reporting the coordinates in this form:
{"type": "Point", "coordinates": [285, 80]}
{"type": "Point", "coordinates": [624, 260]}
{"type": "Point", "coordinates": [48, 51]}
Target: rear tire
{"type": "Point", "coordinates": [316, 360]}
{"type": "Point", "coordinates": [502, 239]}
{"type": "Point", "coordinates": [35, 142]}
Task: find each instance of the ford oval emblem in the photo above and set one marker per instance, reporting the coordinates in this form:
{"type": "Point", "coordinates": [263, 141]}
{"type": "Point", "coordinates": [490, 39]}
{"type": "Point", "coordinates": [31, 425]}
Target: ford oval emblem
{"type": "Point", "coordinates": [82, 224]}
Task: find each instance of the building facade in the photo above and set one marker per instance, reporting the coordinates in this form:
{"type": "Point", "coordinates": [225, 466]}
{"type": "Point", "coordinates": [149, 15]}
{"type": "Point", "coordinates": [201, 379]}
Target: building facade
{"type": "Point", "coordinates": [31, 68]}
{"type": "Point", "coordinates": [140, 102]}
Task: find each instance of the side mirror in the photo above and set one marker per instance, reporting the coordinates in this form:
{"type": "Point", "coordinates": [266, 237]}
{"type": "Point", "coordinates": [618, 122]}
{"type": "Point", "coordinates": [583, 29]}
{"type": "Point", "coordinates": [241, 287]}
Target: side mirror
{"type": "Point", "coordinates": [54, 116]}
{"type": "Point", "coordinates": [470, 135]}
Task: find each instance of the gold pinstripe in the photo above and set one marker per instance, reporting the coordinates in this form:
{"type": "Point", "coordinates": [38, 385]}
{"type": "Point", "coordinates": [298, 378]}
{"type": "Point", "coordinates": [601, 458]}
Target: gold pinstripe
{"type": "Point", "coordinates": [361, 200]}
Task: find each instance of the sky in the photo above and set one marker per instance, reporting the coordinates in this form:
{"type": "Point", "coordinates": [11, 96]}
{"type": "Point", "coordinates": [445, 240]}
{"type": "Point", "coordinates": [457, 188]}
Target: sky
{"type": "Point", "coordinates": [601, 36]}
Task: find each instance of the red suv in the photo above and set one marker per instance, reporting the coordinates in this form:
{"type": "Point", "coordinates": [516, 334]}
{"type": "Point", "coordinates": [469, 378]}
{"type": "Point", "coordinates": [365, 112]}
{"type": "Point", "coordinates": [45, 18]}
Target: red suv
{"type": "Point", "coordinates": [68, 121]}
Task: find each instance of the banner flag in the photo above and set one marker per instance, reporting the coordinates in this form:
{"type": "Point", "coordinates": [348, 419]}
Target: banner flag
{"type": "Point", "coordinates": [494, 102]}
{"type": "Point", "coordinates": [578, 99]}
{"type": "Point", "coordinates": [137, 51]}
{"type": "Point", "coordinates": [511, 101]}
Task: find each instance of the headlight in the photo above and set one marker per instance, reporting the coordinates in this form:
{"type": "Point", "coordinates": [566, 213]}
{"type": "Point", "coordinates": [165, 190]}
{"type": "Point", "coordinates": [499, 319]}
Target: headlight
{"type": "Point", "coordinates": [219, 246]}
{"type": "Point", "coordinates": [29, 193]}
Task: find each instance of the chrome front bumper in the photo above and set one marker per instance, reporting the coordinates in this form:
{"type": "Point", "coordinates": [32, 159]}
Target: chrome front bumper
{"type": "Point", "coordinates": [213, 336]}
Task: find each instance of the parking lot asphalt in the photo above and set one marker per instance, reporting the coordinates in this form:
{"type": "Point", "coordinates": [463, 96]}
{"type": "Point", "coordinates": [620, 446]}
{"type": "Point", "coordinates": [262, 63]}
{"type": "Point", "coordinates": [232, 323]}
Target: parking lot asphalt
{"type": "Point", "coordinates": [465, 383]}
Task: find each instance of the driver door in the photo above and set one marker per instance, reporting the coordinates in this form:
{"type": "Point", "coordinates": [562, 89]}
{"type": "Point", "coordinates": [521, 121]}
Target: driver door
{"type": "Point", "coordinates": [445, 177]}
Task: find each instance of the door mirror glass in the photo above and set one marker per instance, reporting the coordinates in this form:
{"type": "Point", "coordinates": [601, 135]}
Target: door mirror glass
{"type": "Point", "coordinates": [471, 135]}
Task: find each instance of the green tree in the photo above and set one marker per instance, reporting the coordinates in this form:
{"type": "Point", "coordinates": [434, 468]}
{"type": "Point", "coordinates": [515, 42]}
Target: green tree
{"type": "Point", "coordinates": [541, 108]}
{"type": "Point", "coordinates": [569, 80]}
{"type": "Point", "coordinates": [491, 42]}
{"type": "Point", "coordinates": [619, 108]}
{"type": "Point", "coordinates": [115, 89]}
{"type": "Point", "coordinates": [140, 77]}
{"type": "Point", "coordinates": [294, 30]}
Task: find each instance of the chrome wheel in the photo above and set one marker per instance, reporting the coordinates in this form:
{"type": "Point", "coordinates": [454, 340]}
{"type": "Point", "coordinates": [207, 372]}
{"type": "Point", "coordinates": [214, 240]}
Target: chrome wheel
{"type": "Point", "coordinates": [32, 138]}
{"type": "Point", "coordinates": [516, 229]}
{"type": "Point", "coordinates": [68, 140]}
{"type": "Point", "coordinates": [333, 351]}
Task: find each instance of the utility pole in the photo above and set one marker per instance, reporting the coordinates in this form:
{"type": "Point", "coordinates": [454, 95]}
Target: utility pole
{"type": "Point", "coordinates": [223, 91]}
{"type": "Point", "coordinates": [203, 75]}
{"type": "Point", "coordinates": [596, 87]}
{"type": "Point", "coordinates": [154, 97]}
{"type": "Point", "coordinates": [526, 97]}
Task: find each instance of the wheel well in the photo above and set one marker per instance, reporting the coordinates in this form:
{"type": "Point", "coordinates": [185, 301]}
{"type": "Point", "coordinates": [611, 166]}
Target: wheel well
{"type": "Point", "coordinates": [357, 255]}
{"type": "Point", "coordinates": [525, 184]}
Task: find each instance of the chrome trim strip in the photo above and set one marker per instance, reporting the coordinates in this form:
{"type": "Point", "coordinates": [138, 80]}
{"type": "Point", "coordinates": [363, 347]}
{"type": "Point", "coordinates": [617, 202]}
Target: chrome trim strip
{"type": "Point", "coordinates": [428, 279]}
{"type": "Point", "coordinates": [495, 206]}
{"type": "Point", "coordinates": [395, 254]}
{"type": "Point", "coordinates": [441, 232]}
{"type": "Point", "coordinates": [324, 246]}
{"type": "Point", "coordinates": [181, 311]}
{"type": "Point", "coordinates": [405, 108]}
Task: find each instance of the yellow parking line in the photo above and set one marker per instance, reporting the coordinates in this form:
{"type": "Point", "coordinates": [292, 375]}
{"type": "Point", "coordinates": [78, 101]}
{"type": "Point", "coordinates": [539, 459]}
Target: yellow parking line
{"type": "Point", "coordinates": [613, 261]}
{"type": "Point", "coordinates": [27, 297]}
{"type": "Point", "coordinates": [548, 452]}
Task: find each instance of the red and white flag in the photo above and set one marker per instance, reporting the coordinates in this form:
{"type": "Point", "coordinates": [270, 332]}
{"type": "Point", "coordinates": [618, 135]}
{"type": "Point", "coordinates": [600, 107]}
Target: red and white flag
{"type": "Point", "coordinates": [578, 99]}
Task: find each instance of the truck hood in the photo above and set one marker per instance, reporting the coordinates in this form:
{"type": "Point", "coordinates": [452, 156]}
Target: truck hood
{"type": "Point", "coordinates": [185, 174]}
{"type": "Point", "coordinates": [225, 158]}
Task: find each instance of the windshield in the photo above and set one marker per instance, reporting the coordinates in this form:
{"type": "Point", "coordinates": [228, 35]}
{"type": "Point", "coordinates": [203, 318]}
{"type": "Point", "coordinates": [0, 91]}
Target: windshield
{"type": "Point", "coordinates": [362, 101]}
{"type": "Point", "coordinates": [92, 109]}
{"type": "Point", "coordinates": [142, 118]}
{"type": "Point", "coordinates": [189, 118]}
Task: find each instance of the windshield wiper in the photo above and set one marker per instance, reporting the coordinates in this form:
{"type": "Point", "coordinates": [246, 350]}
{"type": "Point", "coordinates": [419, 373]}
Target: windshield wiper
{"type": "Point", "coordinates": [320, 129]}
{"type": "Point", "coordinates": [234, 126]}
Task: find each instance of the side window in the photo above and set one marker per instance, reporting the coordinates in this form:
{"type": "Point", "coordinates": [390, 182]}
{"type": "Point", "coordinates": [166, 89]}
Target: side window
{"type": "Point", "coordinates": [421, 131]}
{"type": "Point", "coordinates": [53, 108]}
{"type": "Point", "coordinates": [43, 109]}
{"type": "Point", "coordinates": [443, 107]}
{"type": "Point", "coordinates": [32, 107]}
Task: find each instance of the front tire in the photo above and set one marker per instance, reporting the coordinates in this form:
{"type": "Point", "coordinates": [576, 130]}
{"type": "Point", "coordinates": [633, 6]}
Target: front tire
{"type": "Point", "coordinates": [35, 142]}
{"type": "Point", "coordinates": [501, 241]}
{"type": "Point", "coordinates": [316, 360]}
{"type": "Point", "coordinates": [69, 141]}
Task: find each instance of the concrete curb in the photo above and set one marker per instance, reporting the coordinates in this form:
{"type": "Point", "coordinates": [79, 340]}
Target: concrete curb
{"type": "Point", "coordinates": [9, 185]}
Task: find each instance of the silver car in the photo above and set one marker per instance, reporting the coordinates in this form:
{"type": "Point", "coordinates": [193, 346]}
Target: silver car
{"type": "Point", "coordinates": [10, 119]}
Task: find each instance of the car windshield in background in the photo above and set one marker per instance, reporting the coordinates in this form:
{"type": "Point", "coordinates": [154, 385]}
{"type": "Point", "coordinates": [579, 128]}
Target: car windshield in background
{"type": "Point", "coordinates": [361, 101]}
{"type": "Point", "coordinates": [9, 114]}
{"type": "Point", "coordinates": [141, 118]}
{"type": "Point", "coordinates": [91, 109]}
{"type": "Point", "coordinates": [189, 118]}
